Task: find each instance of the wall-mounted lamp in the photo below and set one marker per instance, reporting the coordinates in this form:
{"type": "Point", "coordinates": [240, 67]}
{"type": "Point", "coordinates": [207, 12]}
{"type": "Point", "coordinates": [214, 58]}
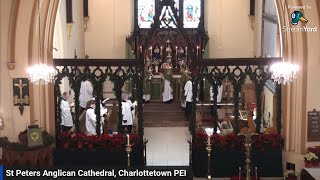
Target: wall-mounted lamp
{"type": "Point", "coordinates": [1, 120]}
{"type": "Point", "coordinates": [69, 18]}
{"type": "Point", "coordinates": [69, 28]}
{"type": "Point", "coordinates": [85, 14]}
{"type": "Point", "coordinates": [252, 15]}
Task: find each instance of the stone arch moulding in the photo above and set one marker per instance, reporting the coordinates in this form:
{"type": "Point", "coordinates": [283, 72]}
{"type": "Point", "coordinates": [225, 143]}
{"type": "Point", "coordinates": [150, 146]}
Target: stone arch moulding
{"type": "Point", "coordinates": [12, 34]}
{"type": "Point", "coordinates": [44, 113]}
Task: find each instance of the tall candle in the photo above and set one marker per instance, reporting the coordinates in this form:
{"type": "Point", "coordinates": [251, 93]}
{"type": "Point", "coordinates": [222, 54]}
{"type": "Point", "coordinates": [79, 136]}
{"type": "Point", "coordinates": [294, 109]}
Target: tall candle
{"type": "Point", "coordinates": [151, 50]}
{"type": "Point", "coordinates": [161, 50]}
{"type": "Point", "coordinates": [186, 50]}
{"type": "Point", "coordinates": [128, 140]}
{"type": "Point", "coordinates": [197, 50]}
{"type": "Point", "coordinates": [176, 50]}
{"type": "Point", "coordinates": [209, 143]}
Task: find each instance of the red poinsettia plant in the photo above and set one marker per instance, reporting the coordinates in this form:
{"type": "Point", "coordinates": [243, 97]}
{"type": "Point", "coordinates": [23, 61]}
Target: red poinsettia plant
{"type": "Point", "coordinates": [260, 142]}
{"type": "Point", "coordinates": [264, 142]}
{"type": "Point", "coordinates": [82, 141]}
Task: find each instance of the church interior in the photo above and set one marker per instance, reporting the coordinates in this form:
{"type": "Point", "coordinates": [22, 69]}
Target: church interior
{"type": "Point", "coordinates": [225, 89]}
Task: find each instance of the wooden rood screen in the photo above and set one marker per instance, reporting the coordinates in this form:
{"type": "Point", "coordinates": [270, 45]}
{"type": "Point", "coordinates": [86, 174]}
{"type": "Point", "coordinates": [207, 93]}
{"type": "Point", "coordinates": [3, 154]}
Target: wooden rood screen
{"type": "Point", "coordinates": [97, 71]}
{"type": "Point", "coordinates": [235, 70]}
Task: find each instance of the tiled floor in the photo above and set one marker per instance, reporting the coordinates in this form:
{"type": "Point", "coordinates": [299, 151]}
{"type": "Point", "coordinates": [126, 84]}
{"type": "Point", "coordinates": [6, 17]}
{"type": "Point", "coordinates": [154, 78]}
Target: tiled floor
{"type": "Point", "coordinates": [167, 146]}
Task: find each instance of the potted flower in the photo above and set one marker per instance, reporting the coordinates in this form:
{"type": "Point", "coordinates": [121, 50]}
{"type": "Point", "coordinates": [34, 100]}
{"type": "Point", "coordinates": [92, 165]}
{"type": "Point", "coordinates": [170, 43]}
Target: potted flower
{"type": "Point", "coordinates": [290, 175]}
{"type": "Point", "coordinates": [310, 158]}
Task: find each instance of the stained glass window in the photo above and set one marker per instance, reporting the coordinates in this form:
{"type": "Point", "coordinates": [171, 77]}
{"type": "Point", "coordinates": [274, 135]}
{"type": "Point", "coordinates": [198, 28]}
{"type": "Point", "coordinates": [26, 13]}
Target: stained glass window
{"type": "Point", "coordinates": [167, 18]}
{"type": "Point", "coordinates": [146, 11]}
{"type": "Point", "coordinates": [191, 13]}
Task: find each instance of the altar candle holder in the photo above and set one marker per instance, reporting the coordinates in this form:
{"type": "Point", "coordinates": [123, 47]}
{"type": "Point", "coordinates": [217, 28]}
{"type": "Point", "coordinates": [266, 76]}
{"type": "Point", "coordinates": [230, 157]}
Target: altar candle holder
{"type": "Point", "coordinates": [128, 149]}
{"type": "Point", "coordinates": [209, 156]}
{"type": "Point", "coordinates": [256, 172]}
{"type": "Point", "coordinates": [187, 56]}
{"type": "Point", "coordinates": [197, 50]}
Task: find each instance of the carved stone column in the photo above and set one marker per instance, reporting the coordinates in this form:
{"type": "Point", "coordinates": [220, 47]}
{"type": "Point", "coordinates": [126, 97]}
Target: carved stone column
{"type": "Point", "coordinates": [258, 28]}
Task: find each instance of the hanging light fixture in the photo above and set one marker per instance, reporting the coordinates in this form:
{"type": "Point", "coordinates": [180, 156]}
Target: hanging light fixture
{"type": "Point", "coordinates": [284, 72]}
{"type": "Point", "coordinates": [40, 74]}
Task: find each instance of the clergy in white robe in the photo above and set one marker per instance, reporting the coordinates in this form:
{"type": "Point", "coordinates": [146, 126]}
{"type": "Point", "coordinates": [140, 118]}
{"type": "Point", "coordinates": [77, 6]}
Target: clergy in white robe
{"type": "Point", "coordinates": [188, 94]}
{"type": "Point", "coordinates": [167, 83]}
{"type": "Point", "coordinates": [91, 118]}
{"type": "Point", "coordinates": [127, 120]}
{"type": "Point", "coordinates": [219, 96]}
{"type": "Point", "coordinates": [86, 93]}
{"type": "Point", "coordinates": [66, 116]}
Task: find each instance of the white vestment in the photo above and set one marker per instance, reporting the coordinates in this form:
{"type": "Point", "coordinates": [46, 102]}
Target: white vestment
{"type": "Point", "coordinates": [66, 117]}
{"type": "Point", "coordinates": [86, 93]}
{"type": "Point", "coordinates": [133, 112]}
{"type": "Point", "coordinates": [167, 91]}
{"type": "Point", "coordinates": [147, 97]}
{"type": "Point", "coordinates": [219, 96]}
{"type": "Point", "coordinates": [188, 91]}
{"type": "Point", "coordinates": [91, 121]}
{"type": "Point", "coordinates": [127, 114]}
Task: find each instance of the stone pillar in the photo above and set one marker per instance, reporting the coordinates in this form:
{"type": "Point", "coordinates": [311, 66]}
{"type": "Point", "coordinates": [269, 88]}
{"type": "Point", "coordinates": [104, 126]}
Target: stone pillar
{"type": "Point", "coordinates": [258, 28]}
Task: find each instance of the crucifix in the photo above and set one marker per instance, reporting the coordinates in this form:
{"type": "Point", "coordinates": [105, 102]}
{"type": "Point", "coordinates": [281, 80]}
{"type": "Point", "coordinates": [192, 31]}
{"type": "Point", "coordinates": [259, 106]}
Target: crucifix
{"type": "Point", "coordinates": [20, 99]}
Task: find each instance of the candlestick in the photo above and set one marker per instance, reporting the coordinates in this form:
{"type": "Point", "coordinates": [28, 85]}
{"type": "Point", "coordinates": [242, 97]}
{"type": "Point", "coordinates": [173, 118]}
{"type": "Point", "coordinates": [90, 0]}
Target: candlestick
{"type": "Point", "coordinates": [186, 50]}
{"type": "Point", "coordinates": [128, 140]}
{"type": "Point", "coordinates": [256, 169]}
{"type": "Point", "coordinates": [208, 148]}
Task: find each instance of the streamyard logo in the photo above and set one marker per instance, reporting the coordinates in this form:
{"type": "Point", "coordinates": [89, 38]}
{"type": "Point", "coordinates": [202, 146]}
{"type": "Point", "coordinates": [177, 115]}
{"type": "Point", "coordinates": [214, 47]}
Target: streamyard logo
{"type": "Point", "coordinates": [297, 17]}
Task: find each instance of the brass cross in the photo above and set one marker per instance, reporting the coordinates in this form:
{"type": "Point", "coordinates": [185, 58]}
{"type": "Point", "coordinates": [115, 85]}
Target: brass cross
{"type": "Point", "coordinates": [20, 85]}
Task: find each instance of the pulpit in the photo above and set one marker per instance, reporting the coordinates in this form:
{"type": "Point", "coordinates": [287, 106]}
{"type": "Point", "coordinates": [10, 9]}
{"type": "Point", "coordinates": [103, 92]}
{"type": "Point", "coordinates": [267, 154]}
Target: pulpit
{"type": "Point", "coordinates": [20, 154]}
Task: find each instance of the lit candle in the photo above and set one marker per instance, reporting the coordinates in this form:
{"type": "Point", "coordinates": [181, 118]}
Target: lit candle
{"type": "Point", "coordinates": [128, 140]}
{"type": "Point", "coordinates": [256, 168]}
{"type": "Point", "coordinates": [150, 49]}
{"type": "Point", "coordinates": [186, 50]}
{"type": "Point", "coordinates": [176, 50]}
{"type": "Point", "coordinates": [161, 50]}
{"type": "Point", "coordinates": [197, 50]}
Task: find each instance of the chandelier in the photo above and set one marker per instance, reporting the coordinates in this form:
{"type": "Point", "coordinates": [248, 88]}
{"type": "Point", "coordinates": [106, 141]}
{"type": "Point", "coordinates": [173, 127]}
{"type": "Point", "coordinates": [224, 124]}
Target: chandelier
{"type": "Point", "coordinates": [283, 72]}
{"type": "Point", "coordinates": [40, 74]}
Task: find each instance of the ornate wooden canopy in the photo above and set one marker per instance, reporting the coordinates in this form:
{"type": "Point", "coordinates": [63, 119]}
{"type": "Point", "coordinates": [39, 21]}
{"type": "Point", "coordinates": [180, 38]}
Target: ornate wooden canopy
{"type": "Point", "coordinates": [168, 29]}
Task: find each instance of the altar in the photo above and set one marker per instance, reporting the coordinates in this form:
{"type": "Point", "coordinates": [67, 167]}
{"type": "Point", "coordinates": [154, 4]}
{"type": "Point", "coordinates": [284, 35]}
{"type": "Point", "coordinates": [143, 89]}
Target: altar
{"type": "Point", "coordinates": [157, 87]}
